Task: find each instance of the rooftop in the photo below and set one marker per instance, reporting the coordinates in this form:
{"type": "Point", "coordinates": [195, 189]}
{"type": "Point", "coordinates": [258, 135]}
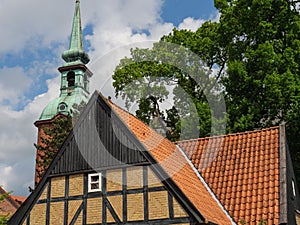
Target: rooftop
{"type": "Point", "coordinates": [242, 170]}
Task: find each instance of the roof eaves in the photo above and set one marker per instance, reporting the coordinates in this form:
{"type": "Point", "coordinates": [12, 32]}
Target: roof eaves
{"type": "Point", "coordinates": [206, 185]}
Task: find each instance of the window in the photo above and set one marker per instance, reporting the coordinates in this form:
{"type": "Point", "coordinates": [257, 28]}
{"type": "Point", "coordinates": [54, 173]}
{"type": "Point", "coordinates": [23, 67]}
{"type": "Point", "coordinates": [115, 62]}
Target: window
{"type": "Point", "coordinates": [294, 188]}
{"type": "Point", "coordinates": [85, 82]}
{"type": "Point", "coordinates": [62, 107]}
{"type": "Point", "coordinates": [71, 79]}
{"type": "Point", "coordinates": [94, 182]}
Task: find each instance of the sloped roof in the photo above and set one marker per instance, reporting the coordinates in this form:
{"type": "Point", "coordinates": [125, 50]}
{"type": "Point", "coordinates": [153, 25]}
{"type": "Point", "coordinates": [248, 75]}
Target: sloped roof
{"type": "Point", "coordinates": [10, 204]}
{"type": "Point", "coordinates": [243, 170]}
{"type": "Point", "coordinates": [177, 167]}
{"type": "Point", "coordinates": [19, 199]}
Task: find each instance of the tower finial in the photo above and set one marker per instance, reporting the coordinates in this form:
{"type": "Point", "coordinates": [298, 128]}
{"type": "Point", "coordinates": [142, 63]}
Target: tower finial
{"type": "Point", "coordinates": [76, 54]}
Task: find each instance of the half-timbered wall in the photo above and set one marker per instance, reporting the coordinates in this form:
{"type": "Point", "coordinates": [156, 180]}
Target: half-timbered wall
{"type": "Point", "coordinates": [297, 218]}
{"type": "Point", "coordinates": [132, 195]}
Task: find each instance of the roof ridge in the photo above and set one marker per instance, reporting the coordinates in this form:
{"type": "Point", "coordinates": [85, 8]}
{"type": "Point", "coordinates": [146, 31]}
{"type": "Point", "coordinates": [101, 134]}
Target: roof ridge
{"type": "Point", "coordinates": [229, 135]}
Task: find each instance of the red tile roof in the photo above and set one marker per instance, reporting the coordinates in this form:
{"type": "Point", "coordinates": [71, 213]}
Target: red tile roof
{"type": "Point", "coordinates": [19, 199]}
{"type": "Point", "coordinates": [174, 162]}
{"type": "Point", "coordinates": [10, 204]}
{"type": "Point", "coordinates": [243, 171]}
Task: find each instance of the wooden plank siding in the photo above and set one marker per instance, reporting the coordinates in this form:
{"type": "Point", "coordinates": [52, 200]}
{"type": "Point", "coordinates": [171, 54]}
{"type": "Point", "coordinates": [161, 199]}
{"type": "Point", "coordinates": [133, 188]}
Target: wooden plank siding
{"type": "Point", "coordinates": [98, 140]}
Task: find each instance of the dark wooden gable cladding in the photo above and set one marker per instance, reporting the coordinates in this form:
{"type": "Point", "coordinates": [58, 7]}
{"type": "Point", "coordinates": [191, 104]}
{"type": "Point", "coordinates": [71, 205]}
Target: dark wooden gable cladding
{"type": "Point", "coordinates": [99, 140]}
{"type": "Point", "coordinates": [292, 193]}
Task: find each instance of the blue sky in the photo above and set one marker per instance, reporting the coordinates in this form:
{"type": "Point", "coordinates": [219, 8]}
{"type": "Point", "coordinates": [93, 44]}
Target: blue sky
{"type": "Point", "coordinates": [34, 33]}
{"type": "Point", "coordinates": [175, 11]}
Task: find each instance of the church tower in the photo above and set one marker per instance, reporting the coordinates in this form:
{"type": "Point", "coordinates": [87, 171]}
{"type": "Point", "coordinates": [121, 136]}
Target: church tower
{"type": "Point", "coordinates": [74, 86]}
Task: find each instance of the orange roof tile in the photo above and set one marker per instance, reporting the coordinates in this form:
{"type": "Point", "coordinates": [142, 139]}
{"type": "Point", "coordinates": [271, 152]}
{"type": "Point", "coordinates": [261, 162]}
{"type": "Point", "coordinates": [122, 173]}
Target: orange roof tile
{"type": "Point", "coordinates": [19, 199]}
{"type": "Point", "coordinates": [178, 167]}
{"type": "Point", "coordinates": [243, 171]}
{"type": "Point", "coordinates": [9, 205]}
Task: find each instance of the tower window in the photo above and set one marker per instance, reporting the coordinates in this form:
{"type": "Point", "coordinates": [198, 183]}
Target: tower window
{"type": "Point", "coordinates": [62, 107]}
{"type": "Point", "coordinates": [71, 79]}
{"type": "Point", "coordinates": [85, 82]}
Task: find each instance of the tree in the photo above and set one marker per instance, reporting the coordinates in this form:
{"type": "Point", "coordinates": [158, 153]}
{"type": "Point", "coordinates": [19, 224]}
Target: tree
{"type": "Point", "coordinates": [3, 218]}
{"type": "Point", "coordinates": [262, 80]}
{"type": "Point", "coordinates": [262, 48]}
{"type": "Point", "coordinates": [151, 74]}
{"type": "Point", "coordinates": [254, 51]}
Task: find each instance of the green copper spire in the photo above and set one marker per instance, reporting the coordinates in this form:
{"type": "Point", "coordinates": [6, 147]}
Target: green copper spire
{"type": "Point", "coordinates": [75, 76]}
{"type": "Point", "coordinates": [76, 54]}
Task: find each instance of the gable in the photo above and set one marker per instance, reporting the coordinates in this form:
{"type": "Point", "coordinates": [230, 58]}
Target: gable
{"type": "Point", "coordinates": [98, 140]}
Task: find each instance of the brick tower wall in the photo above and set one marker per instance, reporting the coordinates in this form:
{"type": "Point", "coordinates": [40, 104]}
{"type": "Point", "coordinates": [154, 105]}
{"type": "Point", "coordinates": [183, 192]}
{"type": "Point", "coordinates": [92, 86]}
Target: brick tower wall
{"type": "Point", "coordinates": [40, 169]}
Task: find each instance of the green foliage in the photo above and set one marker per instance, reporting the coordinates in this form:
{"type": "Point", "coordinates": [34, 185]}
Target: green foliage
{"type": "Point", "coordinates": [254, 50]}
{"type": "Point", "coordinates": [262, 80]}
{"type": "Point", "coordinates": [4, 218]}
{"type": "Point", "coordinates": [261, 222]}
{"type": "Point", "coordinates": [263, 47]}
{"type": "Point", "coordinates": [152, 74]}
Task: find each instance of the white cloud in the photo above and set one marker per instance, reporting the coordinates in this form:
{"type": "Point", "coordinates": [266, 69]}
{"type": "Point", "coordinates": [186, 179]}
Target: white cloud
{"type": "Point", "coordinates": [13, 83]}
{"type": "Point", "coordinates": [120, 23]}
{"type": "Point", "coordinates": [160, 29]}
{"type": "Point", "coordinates": [190, 24]}
{"type": "Point", "coordinates": [118, 27]}
{"type": "Point", "coordinates": [17, 136]}
{"type": "Point", "coordinates": [33, 23]}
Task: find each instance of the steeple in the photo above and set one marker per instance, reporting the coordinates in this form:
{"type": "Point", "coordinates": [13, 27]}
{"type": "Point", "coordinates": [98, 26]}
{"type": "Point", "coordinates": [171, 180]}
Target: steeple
{"type": "Point", "coordinates": [74, 87]}
{"type": "Point", "coordinates": [75, 76]}
{"type": "Point", "coordinates": [76, 54]}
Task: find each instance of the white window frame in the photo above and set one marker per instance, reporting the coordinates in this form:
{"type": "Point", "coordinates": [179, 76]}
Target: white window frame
{"type": "Point", "coordinates": [294, 188]}
{"type": "Point", "coordinates": [90, 182]}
